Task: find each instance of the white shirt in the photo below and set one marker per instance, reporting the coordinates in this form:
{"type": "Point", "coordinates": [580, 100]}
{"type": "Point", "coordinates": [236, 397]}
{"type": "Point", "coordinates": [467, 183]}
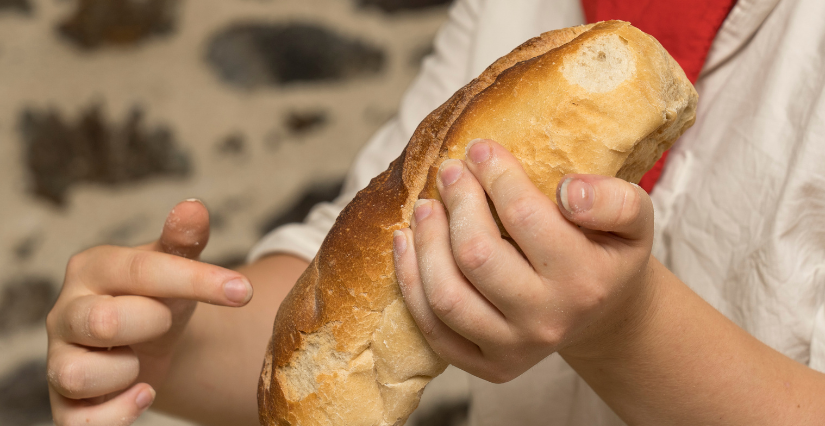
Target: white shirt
{"type": "Point", "coordinates": [740, 207]}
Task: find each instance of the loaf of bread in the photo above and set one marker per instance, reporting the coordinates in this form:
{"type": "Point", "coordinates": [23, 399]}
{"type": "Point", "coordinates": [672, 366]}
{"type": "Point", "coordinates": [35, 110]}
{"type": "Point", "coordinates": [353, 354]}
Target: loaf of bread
{"type": "Point", "coordinates": [603, 98]}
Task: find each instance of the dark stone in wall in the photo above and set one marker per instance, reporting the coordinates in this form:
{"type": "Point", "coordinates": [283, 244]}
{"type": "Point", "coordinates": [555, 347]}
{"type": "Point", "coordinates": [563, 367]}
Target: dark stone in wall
{"type": "Point", "coordinates": [299, 123]}
{"type": "Point", "coordinates": [392, 6]}
{"type": "Point", "coordinates": [253, 55]}
{"type": "Point", "coordinates": [303, 204]}
{"type": "Point", "coordinates": [25, 248]}
{"type": "Point", "coordinates": [118, 22]}
{"type": "Point", "coordinates": [25, 302]}
{"type": "Point", "coordinates": [60, 154]}
{"type": "Point", "coordinates": [125, 232]}
{"type": "Point", "coordinates": [22, 6]}
{"type": "Point", "coordinates": [24, 396]}
{"type": "Point", "coordinates": [221, 213]}
{"type": "Point", "coordinates": [234, 145]}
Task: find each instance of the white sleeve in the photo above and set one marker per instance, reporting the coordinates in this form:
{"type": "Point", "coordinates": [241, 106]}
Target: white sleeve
{"type": "Point", "coordinates": [817, 359]}
{"type": "Point", "coordinates": [442, 73]}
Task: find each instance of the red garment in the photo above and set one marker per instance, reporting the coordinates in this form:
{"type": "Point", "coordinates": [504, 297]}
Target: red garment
{"type": "Point", "coordinates": [686, 28]}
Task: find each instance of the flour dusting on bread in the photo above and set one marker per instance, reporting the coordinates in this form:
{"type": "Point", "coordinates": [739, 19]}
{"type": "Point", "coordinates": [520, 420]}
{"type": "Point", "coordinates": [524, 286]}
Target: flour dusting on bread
{"type": "Point", "coordinates": [602, 65]}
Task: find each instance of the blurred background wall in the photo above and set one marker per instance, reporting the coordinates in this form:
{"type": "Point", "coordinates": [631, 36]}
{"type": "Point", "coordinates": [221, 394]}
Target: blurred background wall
{"type": "Point", "coordinates": [112, 111]}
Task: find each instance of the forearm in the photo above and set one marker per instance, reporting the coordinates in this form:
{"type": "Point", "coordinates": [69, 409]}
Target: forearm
{"type": "Point", "coordinates": [214, 375]}
{"type": "Point", "coordinates": [685, 363]}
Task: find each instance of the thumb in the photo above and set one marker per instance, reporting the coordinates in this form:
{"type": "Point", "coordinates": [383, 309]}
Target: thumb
{"type": "Point", "coordinates": [186, 230]}
{"type": "Point", "coordinates": [608, 204]}
{"type": "Point", "coordinates": [185, 233]}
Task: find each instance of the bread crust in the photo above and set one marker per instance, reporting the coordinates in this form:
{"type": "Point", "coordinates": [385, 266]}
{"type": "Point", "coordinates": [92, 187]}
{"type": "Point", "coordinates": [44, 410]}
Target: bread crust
{"type": "Point", "coordinates": [344, 349]}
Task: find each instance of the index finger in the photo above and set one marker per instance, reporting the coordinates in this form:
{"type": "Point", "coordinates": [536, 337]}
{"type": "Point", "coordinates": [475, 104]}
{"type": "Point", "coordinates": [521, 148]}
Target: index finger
{"type": "Point", "coordinates": [124, 271]}
{"type": "Point", "coordinates": [529, 216]}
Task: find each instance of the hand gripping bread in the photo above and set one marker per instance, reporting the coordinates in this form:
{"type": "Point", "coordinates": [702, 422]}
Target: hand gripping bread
{"type": "Point", "coordinates": [603, 98]}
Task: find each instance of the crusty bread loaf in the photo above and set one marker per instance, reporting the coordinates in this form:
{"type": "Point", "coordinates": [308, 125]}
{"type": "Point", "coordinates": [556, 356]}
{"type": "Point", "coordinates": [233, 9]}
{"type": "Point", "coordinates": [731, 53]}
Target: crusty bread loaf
{"type": "Point", "coordinates": [603, 98]}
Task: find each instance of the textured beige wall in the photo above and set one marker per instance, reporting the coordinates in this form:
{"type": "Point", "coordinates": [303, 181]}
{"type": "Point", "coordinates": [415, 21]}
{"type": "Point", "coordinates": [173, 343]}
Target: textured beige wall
{"type": "Point", "coordinates": [168, 77]}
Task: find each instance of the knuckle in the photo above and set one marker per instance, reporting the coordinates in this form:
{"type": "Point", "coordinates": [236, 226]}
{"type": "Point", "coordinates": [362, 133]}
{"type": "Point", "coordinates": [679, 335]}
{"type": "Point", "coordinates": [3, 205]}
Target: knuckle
{"type": "Point", "coordinates": [76, 263]}
{"type": "Point", "coordinates": [521, 212]}
{"type": "Point", "coordinates": [68, 378]}
{"type": "Point", "coordinates": [70, 420]}
{"type": "Point", "coordinates": [434, 334]}
{"type": "Point", "coordinates": [507, 374]}
{"type": "Point", "coordinates": [544, 327]}
{"type": "Point", "coordinates": [429, 329]}
{"type": "Point", "coordinates": [60, 418]}
{"type": "Point", "coordinates": [446, 301]}
{"type": "Point", "coordinates": [137, 265]}
{"type": "Point", "coordinates": [546, 336]}
{"type": "Point", "coordinates": [593, 296]}
{"type": "Point", "coordinates": [630, 208]}
{"type": "Point", "coordinates": [81, 419]}
{"type": "Point", "coordinates": [499, 373]}
{"type": "Point", "coordinates": [52, 321]}
{"type": "Point", "coordinates": [474, 253]}
{"type": "Point", "coordinates": [103, 322]}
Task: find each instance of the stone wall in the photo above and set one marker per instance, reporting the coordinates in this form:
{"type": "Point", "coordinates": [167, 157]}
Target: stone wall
{"type": "Point", "coordinates": [111, 111]}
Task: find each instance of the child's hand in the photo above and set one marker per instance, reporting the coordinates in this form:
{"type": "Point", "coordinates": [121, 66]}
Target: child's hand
{"type": "Point", "coordinates": [114, 327]}
{"type": "Point", "coordinates": [494, 312]}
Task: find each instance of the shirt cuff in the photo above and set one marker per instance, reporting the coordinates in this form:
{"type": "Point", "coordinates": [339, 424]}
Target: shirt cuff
{"type": "Point", "coordinates": [298, 239]}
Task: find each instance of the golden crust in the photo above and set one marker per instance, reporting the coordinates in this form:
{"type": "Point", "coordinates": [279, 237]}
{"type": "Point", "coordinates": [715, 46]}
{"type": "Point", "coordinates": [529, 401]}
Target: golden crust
{"type": "Point", "coordinates": [344, 349]}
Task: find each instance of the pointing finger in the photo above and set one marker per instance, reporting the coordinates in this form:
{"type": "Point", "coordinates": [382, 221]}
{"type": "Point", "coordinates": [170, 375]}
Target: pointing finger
{"type": "Point", "coordinates": [146, 273]}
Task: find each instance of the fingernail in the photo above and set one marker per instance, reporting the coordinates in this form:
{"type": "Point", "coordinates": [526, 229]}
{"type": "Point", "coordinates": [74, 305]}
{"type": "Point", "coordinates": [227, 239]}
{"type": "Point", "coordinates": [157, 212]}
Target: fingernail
{"type": "Point", "coordinates": [195, 200]}
{"type": "Point", "coordinates": [478, 150]}
{"type": "Point", "coordinates": [238, 290]}
{"type": "Point", "coordinates": [399, 242]}
{"type": "Point", "coordinates": [576, 195]}
{"type": "Point", "coordinates": [450, 171]}
{"type": "Point", "coordinates": [422, 209]}
{"type": "Point", "coordinates": [145, 398]}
